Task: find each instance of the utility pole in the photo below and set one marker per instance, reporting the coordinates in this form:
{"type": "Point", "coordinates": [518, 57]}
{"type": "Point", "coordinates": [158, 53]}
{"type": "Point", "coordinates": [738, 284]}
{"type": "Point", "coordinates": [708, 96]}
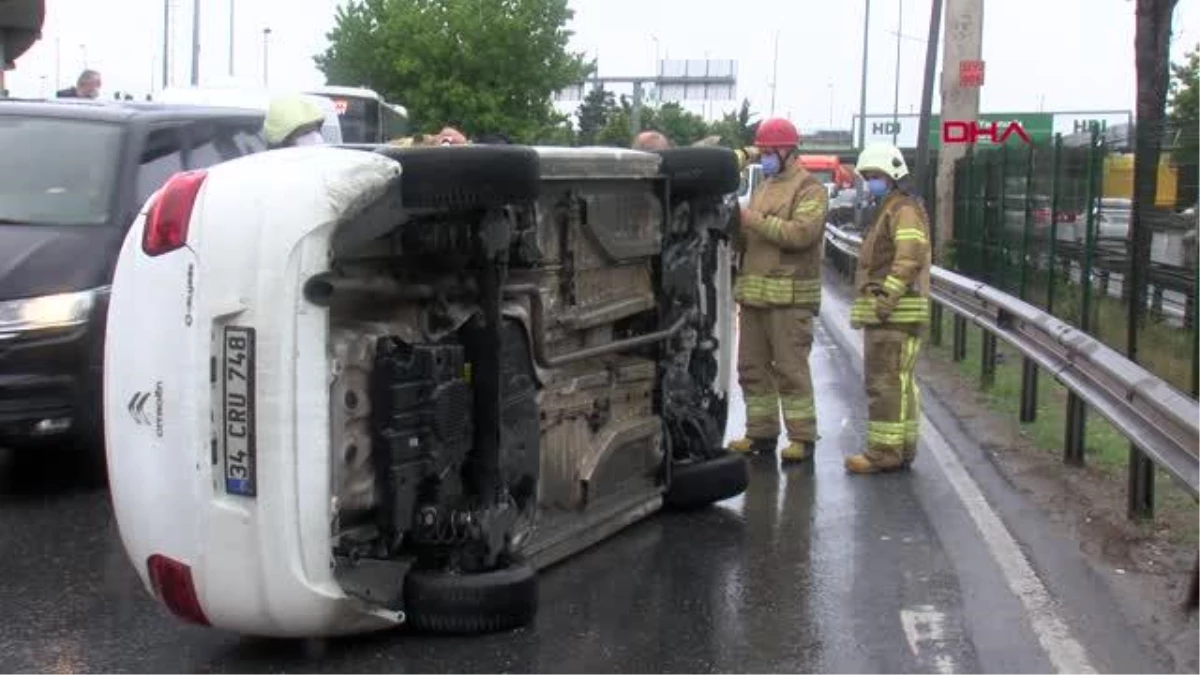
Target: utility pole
{"type": "Point", "coordinates": [195, 43]}
{"type": "Point", "coordinates": [896, 96]}
{"type": "Point", "coordinates": [232, 4]}
{"type": "Point", "coordinates": [964, 42]}
{"type": "Point", "coordinates": [862, 92]}
{"type": "Point", "coordinates": [931, 45]}
{"type": "Point", "coordinates": [775, 74]}
{"type": "Point", "coordinates": [166, 64]}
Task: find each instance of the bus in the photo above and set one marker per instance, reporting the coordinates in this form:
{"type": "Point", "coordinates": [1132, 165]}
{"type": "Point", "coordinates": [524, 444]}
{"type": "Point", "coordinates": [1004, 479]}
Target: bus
{"type": "Point", "coordinates": [365, 116]}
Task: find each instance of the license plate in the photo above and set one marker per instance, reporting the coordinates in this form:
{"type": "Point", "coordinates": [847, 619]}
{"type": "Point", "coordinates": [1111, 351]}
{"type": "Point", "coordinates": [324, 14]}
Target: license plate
{"type": "Point", "coordinates": [238, 410]}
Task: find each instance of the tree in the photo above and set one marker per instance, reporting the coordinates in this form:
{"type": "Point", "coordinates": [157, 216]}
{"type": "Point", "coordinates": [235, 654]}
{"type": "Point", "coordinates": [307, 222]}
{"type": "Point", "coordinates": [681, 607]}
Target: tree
{"type": "Point", "coordinates": [593, 114]}
{"type": "Point", "coordinates": [1152, 45]}
{"type": "Point", "coordinates": [735, 128]}
{"type": "Point", "coordinates": [683, 127]}
{"type": "Point", "coordinates": [1185, 105]}
{"type": "Point", "coordinates": [479, 66]}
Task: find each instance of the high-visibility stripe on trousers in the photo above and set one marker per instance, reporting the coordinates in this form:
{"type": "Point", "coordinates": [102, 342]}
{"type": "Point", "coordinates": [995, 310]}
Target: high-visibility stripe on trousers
{"type": "Point", "coordinates": [893, 399]}
{"type": "Point", "coordinates": [773, 349]}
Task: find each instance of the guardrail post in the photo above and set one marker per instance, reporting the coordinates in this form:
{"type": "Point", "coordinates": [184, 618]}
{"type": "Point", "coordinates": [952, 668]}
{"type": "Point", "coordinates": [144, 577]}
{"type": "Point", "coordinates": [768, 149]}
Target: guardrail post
{"type": "Point", "coordinates": [1076, 439]}
{"type": "Point", "coordinates": [960, 338]}
{"type": "Point", "coordinates": [1141, 485]}
{"type": "Point", "coordinates": [1194, 303]}
{"type": "Point", "coordinates": [987, 361]}
{"type": "Point", "coordinates": [1029, 370]}
{"type": "Point", "coordinates": [935, 323]}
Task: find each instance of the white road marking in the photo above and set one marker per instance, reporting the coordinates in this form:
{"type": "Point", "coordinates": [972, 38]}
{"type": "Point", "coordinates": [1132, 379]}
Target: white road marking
{"type": "Point", "coordinates": [1066, 654]}
{"type": "Point", "coordinates": [925, 629]}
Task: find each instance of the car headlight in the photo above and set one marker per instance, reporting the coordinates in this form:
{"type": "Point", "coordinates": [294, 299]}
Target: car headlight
{"type": "Point", "coordinates": [48, 311]}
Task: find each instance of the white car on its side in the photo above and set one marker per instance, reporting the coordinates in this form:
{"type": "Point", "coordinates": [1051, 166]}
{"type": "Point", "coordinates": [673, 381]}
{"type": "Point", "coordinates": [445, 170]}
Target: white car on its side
{"type": "Point", "coordinates": [347, 389]}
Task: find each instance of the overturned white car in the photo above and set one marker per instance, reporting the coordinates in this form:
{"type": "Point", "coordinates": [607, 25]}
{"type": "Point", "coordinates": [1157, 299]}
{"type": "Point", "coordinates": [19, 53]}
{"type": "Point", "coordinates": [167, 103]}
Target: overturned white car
{"type": "Point", "coordinates": [349, 388]}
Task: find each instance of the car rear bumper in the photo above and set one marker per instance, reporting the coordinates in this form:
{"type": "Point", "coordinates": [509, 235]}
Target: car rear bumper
{"type": "Point", "coordinates": [261, 558]}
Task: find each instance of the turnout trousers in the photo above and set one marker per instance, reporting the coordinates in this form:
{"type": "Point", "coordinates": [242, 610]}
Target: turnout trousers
{"type": "Point", "coordinates": [893, 399]}
{"type": "Point", "coordinates": [773, 349]}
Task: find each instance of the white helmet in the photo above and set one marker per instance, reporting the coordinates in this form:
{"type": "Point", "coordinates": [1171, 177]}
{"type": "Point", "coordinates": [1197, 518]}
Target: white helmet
{"type": "Point", "coordinates": [883, 158]}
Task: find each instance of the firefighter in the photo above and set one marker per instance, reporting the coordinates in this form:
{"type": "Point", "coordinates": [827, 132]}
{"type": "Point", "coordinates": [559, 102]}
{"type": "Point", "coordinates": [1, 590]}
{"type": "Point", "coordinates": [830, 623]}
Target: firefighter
{"type": "Point", "coordinates": [779, 291]}
{"type": "Point", "coordinates": [892, 308]}
{"type": "Point", "coordinates": [293, 120]}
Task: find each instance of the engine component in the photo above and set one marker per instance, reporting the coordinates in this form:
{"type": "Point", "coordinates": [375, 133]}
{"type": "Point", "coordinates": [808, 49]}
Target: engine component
{"type": "Point", "coordinates": [421, 426]}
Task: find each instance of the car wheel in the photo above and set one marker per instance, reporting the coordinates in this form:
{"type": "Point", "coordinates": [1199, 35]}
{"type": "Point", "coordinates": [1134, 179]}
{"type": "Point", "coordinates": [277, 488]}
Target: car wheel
{"type": "Point", "coordinates": [466, 176]}
{"type": "Point", "coordinates": [698, 484]}
{"type": "Point", "coordinates": [698, 172]}
{"type": "Point", "coordinates": [486, 602]}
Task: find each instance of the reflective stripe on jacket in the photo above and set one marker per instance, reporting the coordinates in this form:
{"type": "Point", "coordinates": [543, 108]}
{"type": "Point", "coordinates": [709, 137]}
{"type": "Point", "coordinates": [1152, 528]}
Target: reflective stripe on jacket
{"type": "Point", "coordinates": [892, 280]}
{"type": "Point", "coordinates": [781, 258]}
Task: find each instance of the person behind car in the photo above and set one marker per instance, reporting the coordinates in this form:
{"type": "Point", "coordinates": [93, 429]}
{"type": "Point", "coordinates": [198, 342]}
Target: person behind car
{"type": "Point", "coordinates": [650, 141]}
{"type": "Point", "coordinates": [293, 120]}
{"type": "Point", "coordinates": [779, 290]}
{"type": "Point", "coordinates": [87, 86]}
{"type": "Point", "coordinates": [892, 308]}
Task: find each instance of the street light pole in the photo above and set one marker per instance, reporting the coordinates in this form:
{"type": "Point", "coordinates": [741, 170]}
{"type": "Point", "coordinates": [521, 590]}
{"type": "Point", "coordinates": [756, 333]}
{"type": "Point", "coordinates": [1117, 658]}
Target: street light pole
{"type": "Point", "coordinates": [862, 92]}
{"type": "Point", "coordinates": [232, 3]}
{"type": "Point", "coordinates": [195, 43]}
{"type": "Point", "coordinates": [266, 61]}
{"type": "Point", "coordinates": [166, 64]}
{"type": "Point", "coordinates": [775, 73]}
{"type": "Point", "coordinates": [896, 98]}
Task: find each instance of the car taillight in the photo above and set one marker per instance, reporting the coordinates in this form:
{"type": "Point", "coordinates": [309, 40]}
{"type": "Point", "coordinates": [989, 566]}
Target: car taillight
{"type": "Point", "coordinates": [167, 221]}
{"type": "Point", "coordinates": [172, 582]}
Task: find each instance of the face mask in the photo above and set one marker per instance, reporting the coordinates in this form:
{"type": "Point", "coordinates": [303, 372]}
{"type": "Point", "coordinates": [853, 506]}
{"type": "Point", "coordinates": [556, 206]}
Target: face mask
{"type": "Point", "coordinates": [771, 165]}
{"type": "Point", "coordinates": [878, 187]}
{"type": "Point", "coordinates": [311, 138]}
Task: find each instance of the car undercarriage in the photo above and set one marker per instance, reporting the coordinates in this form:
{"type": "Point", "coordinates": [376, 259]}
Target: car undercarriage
{"type": "Point", "coordinates": [524, 352]}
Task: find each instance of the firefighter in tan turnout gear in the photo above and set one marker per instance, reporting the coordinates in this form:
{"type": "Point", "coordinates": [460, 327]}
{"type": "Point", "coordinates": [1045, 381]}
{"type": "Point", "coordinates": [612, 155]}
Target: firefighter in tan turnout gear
{"type": "Point", "coordinates": [779, 290]}
{"type": "Point", "coordinates": [892, 308]}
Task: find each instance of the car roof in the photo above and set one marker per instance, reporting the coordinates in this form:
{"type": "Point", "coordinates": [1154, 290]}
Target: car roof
{"type": "Point", "coordinates": [123, 111]}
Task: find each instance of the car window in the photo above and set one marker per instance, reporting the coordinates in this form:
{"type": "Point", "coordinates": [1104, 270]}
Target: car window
{"type": "Point", "coordinates": [57, 171]}
{"type": "Point", "coordinates": [162, 157]}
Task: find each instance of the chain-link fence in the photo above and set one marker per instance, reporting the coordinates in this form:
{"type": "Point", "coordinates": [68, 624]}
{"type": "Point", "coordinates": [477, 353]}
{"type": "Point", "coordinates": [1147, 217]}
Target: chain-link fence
{"type": "Point", "coordinates": [1051, 224]}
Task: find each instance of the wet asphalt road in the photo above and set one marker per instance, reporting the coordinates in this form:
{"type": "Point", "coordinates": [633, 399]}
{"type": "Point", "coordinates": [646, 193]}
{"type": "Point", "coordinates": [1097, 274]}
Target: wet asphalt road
{"type": "Point", "coordinates": [810, 571]}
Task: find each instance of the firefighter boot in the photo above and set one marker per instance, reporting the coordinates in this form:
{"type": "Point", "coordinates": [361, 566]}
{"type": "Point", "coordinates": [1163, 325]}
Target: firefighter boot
{"type": "Point", "coordinates": [753, 446]}
{"type": "Point", "coordinates": [797, 452]}
{"type": "Point", "coordinates": [863, 464]}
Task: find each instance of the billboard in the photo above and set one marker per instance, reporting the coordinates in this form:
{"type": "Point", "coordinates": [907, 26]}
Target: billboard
{"type": "Point", "coordinates": [1039, 126]}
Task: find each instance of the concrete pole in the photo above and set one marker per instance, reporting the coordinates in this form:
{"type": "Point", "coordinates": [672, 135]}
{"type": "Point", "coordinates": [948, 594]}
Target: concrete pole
{"type": "Point", "coordinates": [231, 34]}
{"type": "Point", "coordinates": [964, 42]}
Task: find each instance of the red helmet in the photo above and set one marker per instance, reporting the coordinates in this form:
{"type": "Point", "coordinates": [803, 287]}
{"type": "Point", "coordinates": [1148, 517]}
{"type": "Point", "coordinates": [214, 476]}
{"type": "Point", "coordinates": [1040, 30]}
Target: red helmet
{"type": "Point", "coordinates": [776, 132]}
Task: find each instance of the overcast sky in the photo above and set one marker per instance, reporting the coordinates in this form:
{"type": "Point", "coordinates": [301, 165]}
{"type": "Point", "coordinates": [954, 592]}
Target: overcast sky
{"type": "Point", "coordinates": [1040, 54]}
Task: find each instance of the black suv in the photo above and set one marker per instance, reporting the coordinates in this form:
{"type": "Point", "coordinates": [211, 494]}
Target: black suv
{"type": "Point", "coordinates": [73, 175]}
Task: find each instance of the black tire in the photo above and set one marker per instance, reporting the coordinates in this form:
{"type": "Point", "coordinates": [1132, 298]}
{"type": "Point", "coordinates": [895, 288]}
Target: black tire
{"type": "Point", "coordinates": [695, 485]}
{"type": "Point", "coordinates": [470, 604]}
{"type": "Point", "coordinates": [698, 172]}
{"type": "Point", "coordinates": [466, 177]}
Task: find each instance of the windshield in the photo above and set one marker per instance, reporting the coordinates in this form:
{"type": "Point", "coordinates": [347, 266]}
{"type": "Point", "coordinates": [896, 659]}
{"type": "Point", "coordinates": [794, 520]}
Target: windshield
{"type": "Point", "coordinates": [57, 171]}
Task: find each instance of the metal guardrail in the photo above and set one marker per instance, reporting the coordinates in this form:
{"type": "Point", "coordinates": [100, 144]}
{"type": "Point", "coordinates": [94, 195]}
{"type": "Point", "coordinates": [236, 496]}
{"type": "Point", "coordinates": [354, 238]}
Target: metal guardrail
{"type": "Point", "coordinates": [1162, 422]}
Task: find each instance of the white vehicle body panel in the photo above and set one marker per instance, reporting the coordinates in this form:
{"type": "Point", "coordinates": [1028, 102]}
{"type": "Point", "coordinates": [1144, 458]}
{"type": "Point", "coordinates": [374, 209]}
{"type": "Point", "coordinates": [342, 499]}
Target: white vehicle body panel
{"type": "Point", "coordinates": [260, 565]}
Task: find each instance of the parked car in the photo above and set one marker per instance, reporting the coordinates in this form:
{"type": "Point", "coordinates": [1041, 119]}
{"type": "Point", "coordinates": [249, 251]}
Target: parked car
{"type": "Point", "coordinates": [389, 385]}
{"type": "Point", "coordinates": [74, 175]}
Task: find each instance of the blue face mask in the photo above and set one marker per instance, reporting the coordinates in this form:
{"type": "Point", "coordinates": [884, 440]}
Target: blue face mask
{"type": "Point", "coordinates": [878, 187]}
{"type": "Point", "coordinates": [771, 165]}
